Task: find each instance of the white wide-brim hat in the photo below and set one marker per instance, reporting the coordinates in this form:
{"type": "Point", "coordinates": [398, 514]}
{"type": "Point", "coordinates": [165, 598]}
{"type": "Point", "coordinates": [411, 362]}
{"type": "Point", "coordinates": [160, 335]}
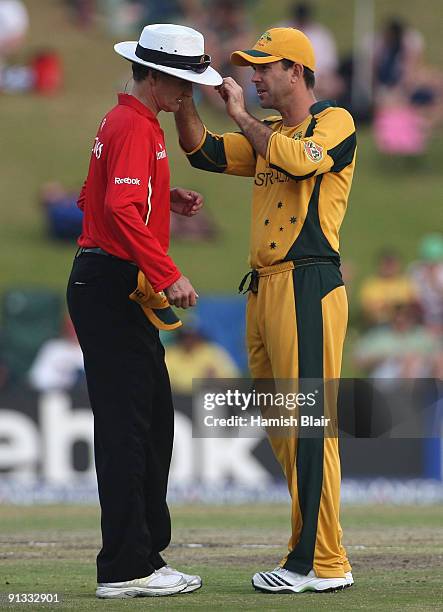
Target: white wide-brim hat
{"type": "Point", "coordinates": [172, 49]}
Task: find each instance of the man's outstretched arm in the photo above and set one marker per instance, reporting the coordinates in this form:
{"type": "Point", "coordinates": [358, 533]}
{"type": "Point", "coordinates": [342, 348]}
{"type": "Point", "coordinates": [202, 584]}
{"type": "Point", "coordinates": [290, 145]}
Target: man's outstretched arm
{"type": "Point", "coordinates": [228, 153]}
{"type": "Point", "coordinates": [190, 127]}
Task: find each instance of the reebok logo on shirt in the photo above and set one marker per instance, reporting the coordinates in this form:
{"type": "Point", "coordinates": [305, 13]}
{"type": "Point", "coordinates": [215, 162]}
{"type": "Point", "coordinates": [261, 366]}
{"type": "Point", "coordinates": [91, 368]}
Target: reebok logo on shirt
{"type": "Point", "coordinates": [162, 153]}
{"type": "Point", "coordinates": [127, 180]}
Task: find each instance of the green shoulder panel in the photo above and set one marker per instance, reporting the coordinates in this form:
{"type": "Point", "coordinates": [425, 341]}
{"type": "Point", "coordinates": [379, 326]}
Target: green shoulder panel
{"type": "Point", "coordinates": [211, 156]}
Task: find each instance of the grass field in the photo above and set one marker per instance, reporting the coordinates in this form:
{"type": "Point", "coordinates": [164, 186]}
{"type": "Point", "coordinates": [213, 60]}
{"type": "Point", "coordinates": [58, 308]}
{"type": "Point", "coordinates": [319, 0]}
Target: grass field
{"type": "Point", "coordinates": [47, 139]}
{"type": "Point", "coordinates": [397, 556]}
{"type": "Point", "coordinates": [50, 138]}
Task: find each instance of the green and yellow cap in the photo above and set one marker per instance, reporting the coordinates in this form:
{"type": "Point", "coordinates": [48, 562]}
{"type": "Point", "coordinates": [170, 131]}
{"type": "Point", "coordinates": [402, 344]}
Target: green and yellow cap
{"type": "Point", "coordinates": [277, 44]}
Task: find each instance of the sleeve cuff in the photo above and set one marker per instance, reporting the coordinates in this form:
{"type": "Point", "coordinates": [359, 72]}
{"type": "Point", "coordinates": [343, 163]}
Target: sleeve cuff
{"type": "Point", "coordinates": [199, 146]}
{"type": "Point", "coordinates": [161, 286]}
{"type": "Point", "coordinates": [268, 149]}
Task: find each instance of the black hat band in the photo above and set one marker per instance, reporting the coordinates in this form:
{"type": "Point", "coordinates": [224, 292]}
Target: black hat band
{"type": "Point", "coordinates": [196, 63]}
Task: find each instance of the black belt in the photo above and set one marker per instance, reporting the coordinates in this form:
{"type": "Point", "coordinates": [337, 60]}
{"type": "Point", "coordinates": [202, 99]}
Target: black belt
{"type": "Point", "coordinates": [298, 263]}
{"type": "Point", "coordinates": [99, 251]}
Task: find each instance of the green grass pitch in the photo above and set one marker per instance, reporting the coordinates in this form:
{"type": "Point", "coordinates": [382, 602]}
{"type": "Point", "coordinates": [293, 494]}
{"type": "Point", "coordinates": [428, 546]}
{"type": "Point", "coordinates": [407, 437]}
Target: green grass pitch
{"type": "Point", "coordinates": [396, 552]}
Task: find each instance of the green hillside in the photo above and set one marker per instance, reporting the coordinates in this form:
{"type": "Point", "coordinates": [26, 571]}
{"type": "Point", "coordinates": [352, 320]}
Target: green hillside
{"type": "Point", "coordinates": [50, 138]}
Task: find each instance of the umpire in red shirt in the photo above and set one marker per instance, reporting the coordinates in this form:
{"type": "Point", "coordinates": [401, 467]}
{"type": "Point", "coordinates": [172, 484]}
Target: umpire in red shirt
{"type": "Point", "coordinates": [126, 201]}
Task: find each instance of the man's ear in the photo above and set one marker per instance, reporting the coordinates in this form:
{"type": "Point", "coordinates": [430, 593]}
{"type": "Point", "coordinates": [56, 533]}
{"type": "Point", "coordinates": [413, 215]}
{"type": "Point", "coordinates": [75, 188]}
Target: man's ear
{"type": "Point", "coordinates": [297, 73]}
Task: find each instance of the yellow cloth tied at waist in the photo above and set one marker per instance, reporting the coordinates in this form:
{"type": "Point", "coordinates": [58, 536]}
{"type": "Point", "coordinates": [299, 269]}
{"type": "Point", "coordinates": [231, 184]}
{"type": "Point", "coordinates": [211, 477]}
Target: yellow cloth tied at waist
{"type": "Point", "coordinates": [155, 305]}
{"type": "Point", "coordinates": [277, 268]}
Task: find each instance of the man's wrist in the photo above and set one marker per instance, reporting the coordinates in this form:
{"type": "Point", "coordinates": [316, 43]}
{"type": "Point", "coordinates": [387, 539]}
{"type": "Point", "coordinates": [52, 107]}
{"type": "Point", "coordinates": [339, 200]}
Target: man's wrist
{"type": "Point", "coordinates": [242, 117]}
{"type": "Point", "coordinates": [255, 131]}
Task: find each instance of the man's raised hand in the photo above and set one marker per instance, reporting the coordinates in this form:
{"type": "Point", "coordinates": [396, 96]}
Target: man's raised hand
{"type": "Point", "coordinates": [232, 95]}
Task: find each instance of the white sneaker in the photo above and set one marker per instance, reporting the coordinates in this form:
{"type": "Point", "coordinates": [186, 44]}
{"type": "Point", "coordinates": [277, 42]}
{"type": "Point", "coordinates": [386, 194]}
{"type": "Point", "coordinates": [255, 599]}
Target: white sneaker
{"type": "Point", "coordinates": [154, 585]}
{"type": "Point", "coordinates": [283, 581]}
{"type": "Point", "coordinates": [193, 582]}
{"type": "Point", "coordinates": [349, 579]}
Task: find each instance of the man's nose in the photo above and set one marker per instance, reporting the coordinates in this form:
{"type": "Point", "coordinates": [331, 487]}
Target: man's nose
{"type": "Point", "coordinates": [256, 78]}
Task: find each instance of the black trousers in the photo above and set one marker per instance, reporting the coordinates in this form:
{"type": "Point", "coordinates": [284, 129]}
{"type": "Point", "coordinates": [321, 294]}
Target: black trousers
{"type": "Point", "coordinates": [130, 397]}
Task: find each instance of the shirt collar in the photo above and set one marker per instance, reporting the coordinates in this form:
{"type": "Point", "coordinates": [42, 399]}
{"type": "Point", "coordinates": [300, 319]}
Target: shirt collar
{"type": "Point", "coordinates": [128, 100]}
{"type": "Point", "coordinates": [319, 107]}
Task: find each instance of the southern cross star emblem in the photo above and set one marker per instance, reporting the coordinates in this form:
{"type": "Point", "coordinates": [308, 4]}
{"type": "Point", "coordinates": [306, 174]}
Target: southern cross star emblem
{"type": "Point", "coordinates": [280, 205]}
{"type": "Point", "coordinates": [265, 36]}
{"type": "Point", "coordinates": [293, 219]}
{"type": "Point", "coordinates": [273, 245]}
{"type": "Point", "coordinates": [267, 221]}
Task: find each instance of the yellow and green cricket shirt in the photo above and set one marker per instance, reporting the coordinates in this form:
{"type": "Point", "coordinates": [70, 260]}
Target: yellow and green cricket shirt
{"type": "Point", "coordinates": [300, 189]}
{"type": "Point", "coordinates": [296, 321]}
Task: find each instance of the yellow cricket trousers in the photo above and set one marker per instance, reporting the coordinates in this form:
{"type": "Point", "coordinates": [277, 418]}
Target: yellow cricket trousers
{"type": "Point", "coordinates": [296, 326]}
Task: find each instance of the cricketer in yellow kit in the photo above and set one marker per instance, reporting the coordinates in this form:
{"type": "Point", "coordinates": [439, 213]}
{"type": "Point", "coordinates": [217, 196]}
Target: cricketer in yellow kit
{"type": "Point", "coordinates": [302, 163]}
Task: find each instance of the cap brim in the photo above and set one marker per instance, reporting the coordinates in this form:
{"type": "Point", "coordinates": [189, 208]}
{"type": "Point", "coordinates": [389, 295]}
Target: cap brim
{"type": "Point", "coordinates": [163, 318]}
{"type": "Point", "coordinates": [251, 56]}
{"type": "Point", "coordinates": [208, 77]}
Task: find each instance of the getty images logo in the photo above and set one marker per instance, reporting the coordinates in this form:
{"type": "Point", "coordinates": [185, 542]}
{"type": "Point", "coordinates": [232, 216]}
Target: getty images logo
{"type": "Point", "coordinates": [127, 180]}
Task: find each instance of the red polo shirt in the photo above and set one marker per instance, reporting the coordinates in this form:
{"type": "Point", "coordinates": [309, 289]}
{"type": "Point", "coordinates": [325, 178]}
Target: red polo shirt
{"type": "Point", "coordinates": [126, 196]}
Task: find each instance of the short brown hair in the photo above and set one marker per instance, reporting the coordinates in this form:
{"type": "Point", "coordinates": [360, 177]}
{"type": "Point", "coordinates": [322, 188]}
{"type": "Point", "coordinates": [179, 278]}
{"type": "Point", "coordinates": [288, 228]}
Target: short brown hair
{"type": "Point", "coordinates": [308, 75]}
{"type": "Point", "coordinates": [140, 72]}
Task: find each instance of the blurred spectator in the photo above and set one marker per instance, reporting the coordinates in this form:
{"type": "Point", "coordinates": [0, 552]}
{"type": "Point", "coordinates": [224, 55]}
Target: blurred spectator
{"type": "Point", "coordinates": [404, 349]}
{"type": "Point", "coordinates": [408, 92]}
{"type": "Point", "coordinates": [167, 11]}
{"type": "Point", "coordinates": [425, 91]}
{"type": "Point", "coordinates": [14, 23]}
{"type": "Point", "coordinates": [193, 356]}
{"type": "Point", "coordinates": [226, 28]}
{"type": "Point", "coordinates": [389, 287]}
{"type": "Point", "coordinates": [400, 128]}
{"type": "Point", "coordinates": [59, 362]}
{"type": "Point", "coordinates": [427, 276]}
{"type": "Point", "coordinates": [125, 17]}
{"type": "Point", "coordinates": [63, 217]}
{"type": "Point", "coordinates": [83, 11]}
{"type": "Point", "coordinates": [345, 74]}
{"type": "Point", "coordinates": [43, 73]}
{"type": "Point", "coordinates": [323, 41]}
{"type": "Point", "coordinates": [398, 52]}
{"type": "Point", "coordinates": [122, 17]}
{"type": "Point", "coordinates": [47, 71]}
{"type": "Point", "coordinates": [361, 108]}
